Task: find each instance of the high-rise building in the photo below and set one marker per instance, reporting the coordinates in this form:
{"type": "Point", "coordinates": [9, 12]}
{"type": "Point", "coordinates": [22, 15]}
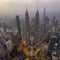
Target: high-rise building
{"type": "Point", "coordinates": [27, 27]}
{"type": "Point", "coordinates": [19, 27]}
{"type": "Point", "coordinates": [4, 27]}
{"type": "Point", "coordinates": [2, 47]}
{"type": "Point", "coordinates": [12, 37]}
{"type": "Point", "coordinates": [55, 23]}
{"type": "Point", "coordinates": [36, 27]}
{"type": "Point", "coordinates": [46, 21]}
{"type": "Point", "coordinates": [16, 39]}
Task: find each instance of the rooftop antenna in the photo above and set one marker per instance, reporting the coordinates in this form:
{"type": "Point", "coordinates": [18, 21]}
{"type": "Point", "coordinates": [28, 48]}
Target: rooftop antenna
{"type": "Point", "coordinates": [26, 5]}
{"type": "Point", "coordinates": [37, 6]}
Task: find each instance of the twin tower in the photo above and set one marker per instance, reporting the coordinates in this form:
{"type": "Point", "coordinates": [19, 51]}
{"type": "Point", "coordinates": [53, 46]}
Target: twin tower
{"type": "Point", "coordinates": [28, 27]}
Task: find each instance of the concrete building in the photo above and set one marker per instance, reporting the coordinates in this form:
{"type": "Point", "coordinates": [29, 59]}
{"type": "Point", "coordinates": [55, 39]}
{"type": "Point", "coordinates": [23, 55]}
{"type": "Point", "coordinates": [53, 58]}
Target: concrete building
{"type": "Point", "coordinates": [36, 27]}
{"type": "Point", "coordinates": [18, 27]}
{"type": "Point", "coordinates": [27, 27]}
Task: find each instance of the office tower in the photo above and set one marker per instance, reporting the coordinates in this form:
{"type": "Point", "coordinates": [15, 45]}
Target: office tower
{"type": "Point", "coordinates": [36, 27]}
{"type": "Point", "coordinates": [16, 39]}
{"type": "Point", "coordinates": [4, 27]}
{"type": "Point", "coordinates": [0, 24]}
{"type": "Point", "coordinates": [19, 28]}
{"type": "Point", "coordinates": [44, 13]}
{"type": "Point", "coordinates": [9, 45]}
{"type": "Point", "coordinates": [55, 23]}
{"type": "Point", "coordinates": [27, 27]}
{"type": "Point", "coordinates": [2, 47]}
{"type": "Point", "coordinates": [12, 37]}
{"type": "Point", "coordinates": [46, 20]}
{"type": "Point", "coordinates": [51, 45]}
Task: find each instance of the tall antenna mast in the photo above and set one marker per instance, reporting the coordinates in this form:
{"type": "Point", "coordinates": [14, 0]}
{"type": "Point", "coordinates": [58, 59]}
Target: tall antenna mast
{"type": "Point", "coordinates": [26, 4]}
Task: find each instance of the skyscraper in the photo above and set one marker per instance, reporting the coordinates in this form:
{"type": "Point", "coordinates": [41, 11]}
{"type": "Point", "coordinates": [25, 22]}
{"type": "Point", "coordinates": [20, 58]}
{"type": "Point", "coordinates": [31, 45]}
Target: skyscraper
{"type": "Point", "coordinates": [44, 13]}
{"type": "Point", "coordinates": [19, 27]}
{"type": "Point", "coordinates": [4, 27]}
{"type": "Point", "coordinates": [27, 27]}
{"type": "Point", "coordinates": [12, 37]}
{"type": "Point", "coordinates": [46, 20]}
{"type": "Point", "coordinates": [2, 47]}
{"type": "Point", "coordinates": [36, 27]}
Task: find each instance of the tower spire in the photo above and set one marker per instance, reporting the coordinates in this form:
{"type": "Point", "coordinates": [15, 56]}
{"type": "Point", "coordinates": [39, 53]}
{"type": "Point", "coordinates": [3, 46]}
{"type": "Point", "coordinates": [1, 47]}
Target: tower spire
{"type": "Point", "coordinates": [37, 13]}
{"type": "Point", "coordinates": [36, 29]}
{"type": "Point", "coordinates": [27, 26]}
{"type": "Point", "coordinates": [37, 10]}
{"type": "Point", "coordinates": [26, 10]}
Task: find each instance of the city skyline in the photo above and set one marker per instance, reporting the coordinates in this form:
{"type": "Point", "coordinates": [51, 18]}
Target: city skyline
{"type": "Point", "coordinates": [29, 30]}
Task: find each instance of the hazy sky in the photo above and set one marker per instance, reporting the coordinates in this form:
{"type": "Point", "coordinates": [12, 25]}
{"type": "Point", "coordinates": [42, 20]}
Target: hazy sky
{"type": "Point", "coordinates": [11, 7]}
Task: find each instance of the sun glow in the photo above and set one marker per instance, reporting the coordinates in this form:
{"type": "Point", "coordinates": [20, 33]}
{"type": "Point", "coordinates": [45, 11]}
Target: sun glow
{"type": "Point", "coordinates": [3, 2]}
{"type": "Point", "coordinates": [24, 1]}
{"type": "Point", "coordinates": [10, 5]}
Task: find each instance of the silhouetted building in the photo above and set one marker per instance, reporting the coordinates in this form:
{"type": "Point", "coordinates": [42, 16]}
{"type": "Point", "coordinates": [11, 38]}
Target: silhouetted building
{"type": "Point", "coordinates": [27, 27]}
{"type": "Point", "coordinates": [16, 39]}
{"type": "Point", "coordinates": [53, 41]}
{"type": "Point", "coordinates": [36, 27]}
{"type": "Point", "coordinates": [51, 46]}
{"type": "Point", "coordinates": [46, 21]}
{"type": "Point", "coordinates": [0, 24]}
{"type": "Point", "coordinates": [55, 23]}
{"type": "Point", "coordinates": [4, 27]}
{"type": "Point", "coordinates": [2, 47]}
{"type": "Point", "coordinates": [12, 37]}
{"type": "Point", "coordinates": [19, 27]}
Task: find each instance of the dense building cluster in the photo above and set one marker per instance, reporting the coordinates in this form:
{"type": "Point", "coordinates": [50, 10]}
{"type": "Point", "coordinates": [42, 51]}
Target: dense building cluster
{"type": "Point", "coordinates": [34, 39]}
